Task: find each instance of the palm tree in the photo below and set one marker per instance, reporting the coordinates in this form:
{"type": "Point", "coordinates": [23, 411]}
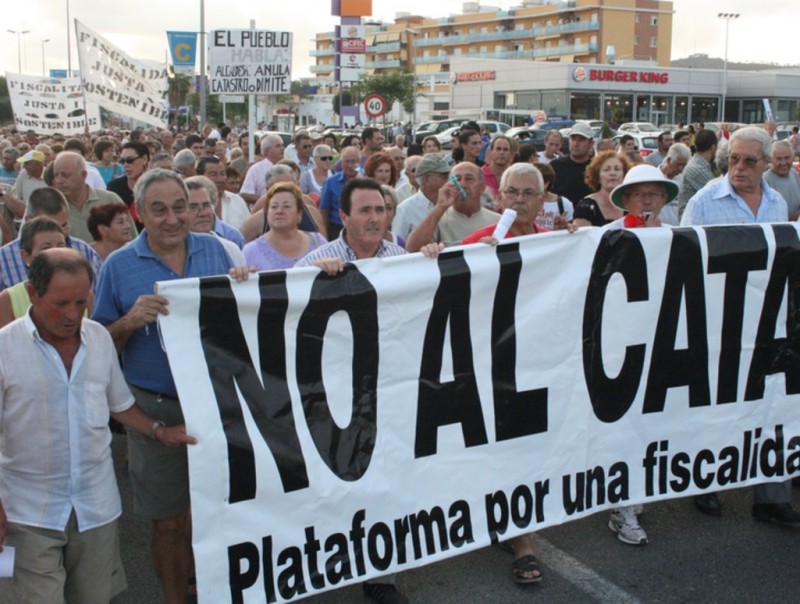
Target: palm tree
{"type": "Point", "coordinates": [178, 90]}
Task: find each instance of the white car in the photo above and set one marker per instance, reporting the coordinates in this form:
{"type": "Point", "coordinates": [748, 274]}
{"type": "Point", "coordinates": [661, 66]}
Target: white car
{"type": "Point", "coordinates": [494, 128]}
{"type": "Point", "coordinates": [639, 128]}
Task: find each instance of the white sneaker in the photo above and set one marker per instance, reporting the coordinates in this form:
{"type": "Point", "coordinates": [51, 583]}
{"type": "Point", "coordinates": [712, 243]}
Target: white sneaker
{"type": "Point", "coordinates": [624, 523]}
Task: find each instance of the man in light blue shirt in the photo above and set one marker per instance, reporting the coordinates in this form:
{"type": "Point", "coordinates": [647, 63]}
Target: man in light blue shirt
{"type": "Point", "coordinates": [743, 196]}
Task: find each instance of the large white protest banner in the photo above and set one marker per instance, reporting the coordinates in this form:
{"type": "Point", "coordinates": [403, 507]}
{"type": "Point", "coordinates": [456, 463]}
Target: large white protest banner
{"type": "Point", "coordinates": [114, 80]}
{"type": "Point", "coordinates": [412, 409]}
{"type": "Point", "coordinates": [249, 61]}
{"type": "Point", "coordinates": [51, 105]}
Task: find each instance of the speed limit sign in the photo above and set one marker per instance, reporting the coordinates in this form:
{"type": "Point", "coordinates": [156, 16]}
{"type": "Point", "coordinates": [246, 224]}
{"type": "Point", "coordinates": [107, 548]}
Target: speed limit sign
{"type": "Point", "coordinates": [375, 105]}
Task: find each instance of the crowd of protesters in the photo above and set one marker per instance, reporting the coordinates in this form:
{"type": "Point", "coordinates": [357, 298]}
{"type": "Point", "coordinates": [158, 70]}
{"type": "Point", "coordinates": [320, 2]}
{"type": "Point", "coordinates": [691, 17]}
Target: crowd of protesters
{"type": "Point", "coordinates": [89, 223]}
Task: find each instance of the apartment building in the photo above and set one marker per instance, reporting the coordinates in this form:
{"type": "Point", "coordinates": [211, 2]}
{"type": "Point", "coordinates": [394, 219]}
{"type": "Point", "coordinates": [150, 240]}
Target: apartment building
{"type": "Point", "coordinates": [576, 31]}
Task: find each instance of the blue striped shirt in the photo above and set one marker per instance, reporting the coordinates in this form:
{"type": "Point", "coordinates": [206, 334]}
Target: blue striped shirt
{"type": "Point", "coordinates": [718, 203]}
{"type": "Point", "coordinates": [338, 248]}
{"type": "Point", "coordinates": [13, 269]}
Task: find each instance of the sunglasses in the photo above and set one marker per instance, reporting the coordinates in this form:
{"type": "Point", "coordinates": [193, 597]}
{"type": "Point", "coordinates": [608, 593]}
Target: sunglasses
{"type": "Point", "coordinates": [326, 158]}
{"type": "Point", "coordinates": [129, 160]}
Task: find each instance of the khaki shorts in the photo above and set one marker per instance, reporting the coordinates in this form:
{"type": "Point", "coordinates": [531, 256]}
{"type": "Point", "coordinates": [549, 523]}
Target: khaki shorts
{"type": "Point", "coordinates": [58, 566]}
{"type": "Point", "coordinates": [159, 475]}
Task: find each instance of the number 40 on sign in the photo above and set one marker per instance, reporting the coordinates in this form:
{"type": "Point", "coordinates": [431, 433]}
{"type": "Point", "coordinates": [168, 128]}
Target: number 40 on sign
{"type": "Point", "coordinates": [375, 105]}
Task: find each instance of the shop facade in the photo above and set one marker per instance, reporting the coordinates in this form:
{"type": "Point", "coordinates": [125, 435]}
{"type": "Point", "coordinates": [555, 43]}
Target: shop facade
{"type": "Point", "coordinates": [620, 93]}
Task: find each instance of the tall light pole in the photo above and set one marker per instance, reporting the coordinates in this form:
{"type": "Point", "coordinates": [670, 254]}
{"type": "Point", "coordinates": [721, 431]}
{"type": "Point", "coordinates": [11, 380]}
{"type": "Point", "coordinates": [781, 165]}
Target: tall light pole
{"type": "Point", "coordinates": [44, 73]}
{"type": "Point", "coordinates": [202, 65]}
{"type": "Point", "coordinates": [69, 51]}
{"type": "Point", "coordinates": [19, 33]}
{"type": "Point", "coordinates": [727, 17]}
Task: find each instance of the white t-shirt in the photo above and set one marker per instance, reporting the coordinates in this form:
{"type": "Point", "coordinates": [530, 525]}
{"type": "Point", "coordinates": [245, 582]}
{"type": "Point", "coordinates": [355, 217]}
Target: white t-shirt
{"type": "Point", "coordinates": [549, 212]}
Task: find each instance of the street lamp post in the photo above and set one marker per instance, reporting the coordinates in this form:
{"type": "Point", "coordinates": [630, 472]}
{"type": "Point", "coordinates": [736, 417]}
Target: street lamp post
{"type": "Point", "coordinates": [19, 33]}
{"type": "Point", "coordinates": [727, 17]}
{"type": "Point", "coordinates": [44, 72]}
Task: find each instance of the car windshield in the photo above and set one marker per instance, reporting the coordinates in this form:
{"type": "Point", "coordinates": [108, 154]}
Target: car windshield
{"type": "Point", "coordinates": [648, 128]}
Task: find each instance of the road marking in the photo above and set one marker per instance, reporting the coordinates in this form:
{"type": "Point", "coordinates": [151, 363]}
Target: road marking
{"type": "Point", "coordinates": [581, 575]}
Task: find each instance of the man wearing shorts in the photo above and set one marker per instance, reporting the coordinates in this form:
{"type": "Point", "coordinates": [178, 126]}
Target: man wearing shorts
{"type": "Point", "coordinates": [126, 304]}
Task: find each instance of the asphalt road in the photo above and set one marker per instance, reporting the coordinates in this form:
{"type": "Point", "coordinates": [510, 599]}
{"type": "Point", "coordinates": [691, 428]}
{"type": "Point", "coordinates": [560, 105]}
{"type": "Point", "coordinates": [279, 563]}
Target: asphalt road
{"type": "Point", "coordinates": [691, 558]}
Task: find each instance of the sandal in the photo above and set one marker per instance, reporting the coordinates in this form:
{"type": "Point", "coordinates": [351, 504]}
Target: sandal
{"type": "Point", "coordinates": [521, 567]}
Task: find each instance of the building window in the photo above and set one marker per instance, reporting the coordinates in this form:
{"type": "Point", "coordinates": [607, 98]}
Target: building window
{"type": "Point", "coordinates": [636, 40]}
{"type": "Point", "coordinates": [653, 20]}
{"type": "Point", "coordinates": [653, 42]}
{"type": "Point", "coordinates": [638, 18]}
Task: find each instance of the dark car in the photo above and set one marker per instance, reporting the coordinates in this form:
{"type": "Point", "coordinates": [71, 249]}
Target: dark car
{"type": "Point", "coordinates": [535, 137]}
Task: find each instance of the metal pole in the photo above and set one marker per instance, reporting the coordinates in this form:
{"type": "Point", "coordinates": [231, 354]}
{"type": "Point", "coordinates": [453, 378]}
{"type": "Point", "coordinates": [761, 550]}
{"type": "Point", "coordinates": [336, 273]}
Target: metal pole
{"type": "Point", "coordinates": [69, 52]}
{"type": "Point", "coordinates": [202, 64]}
{"type": "Point", "coordinates": [44, 72]}
{"type": "Point", "coordinates": [727, 17]}
{"type": "Point", "coordinates": [251, 118]}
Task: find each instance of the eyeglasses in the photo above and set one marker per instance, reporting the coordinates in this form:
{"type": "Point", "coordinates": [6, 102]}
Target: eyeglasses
{"type": "Point", "coordinates": [637, 195]}
{"type": "Point", "coordinates": [749, 162]}
{"type": "Point", "coordinates": [195, 208]}
{"type": "Point", "coordinates": [325, 157]}
{"type": "Point", "coordinates": [527, 194]}
{"type": "Point", "coordinates": [129, 160]}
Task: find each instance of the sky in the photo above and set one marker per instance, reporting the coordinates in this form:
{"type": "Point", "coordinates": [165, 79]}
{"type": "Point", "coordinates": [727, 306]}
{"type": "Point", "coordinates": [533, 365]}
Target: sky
{"type": "Point", "coordinates": [138, 27]}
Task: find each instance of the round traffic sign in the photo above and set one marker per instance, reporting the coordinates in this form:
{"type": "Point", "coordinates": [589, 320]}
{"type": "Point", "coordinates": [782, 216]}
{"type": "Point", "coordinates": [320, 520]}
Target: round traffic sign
{"type": "Point", "coordinates": [375, 105]}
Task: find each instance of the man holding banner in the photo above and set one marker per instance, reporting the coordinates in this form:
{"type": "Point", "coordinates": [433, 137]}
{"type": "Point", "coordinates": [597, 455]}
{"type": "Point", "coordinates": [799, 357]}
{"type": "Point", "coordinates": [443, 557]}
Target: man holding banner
{"type": "Point", "coordinates": [126, 304]}
{"type": "Point", "coordinates": [362, 210]}
{"type": "Point", "coordinates": [743, 196]}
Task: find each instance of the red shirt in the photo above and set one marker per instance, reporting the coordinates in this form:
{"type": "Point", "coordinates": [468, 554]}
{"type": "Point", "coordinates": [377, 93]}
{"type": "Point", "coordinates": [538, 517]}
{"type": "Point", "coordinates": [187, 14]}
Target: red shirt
{"type": "Point", "coordinates": [487, 231]}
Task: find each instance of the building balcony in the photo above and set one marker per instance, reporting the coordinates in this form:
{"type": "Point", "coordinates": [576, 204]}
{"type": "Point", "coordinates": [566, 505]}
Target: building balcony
{"type": "Point", "coordinates": [390, 47]}
{"type": "Point", "coordinates": [533, 53]}
{"type": "Point", "coordinates": [321, 68]}
{"type": "Point", "coordinates": [396, 63]}
{"type": "Point", "coordinates": [525, 34]}
{"type": "Point", "coordinates": [322, 52]}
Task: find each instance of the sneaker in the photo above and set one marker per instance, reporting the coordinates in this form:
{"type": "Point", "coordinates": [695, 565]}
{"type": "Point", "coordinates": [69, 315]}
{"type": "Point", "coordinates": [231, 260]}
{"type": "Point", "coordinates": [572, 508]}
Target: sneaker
{"type": "Point", "coordinates": [384, 593]}
{"type": "Point", "coordinates": [624, 523]}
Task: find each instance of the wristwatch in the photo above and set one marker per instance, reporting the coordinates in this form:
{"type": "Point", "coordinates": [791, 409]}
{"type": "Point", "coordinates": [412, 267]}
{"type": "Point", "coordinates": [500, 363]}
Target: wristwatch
{"type": "Point", "coordinates": [155, 426]}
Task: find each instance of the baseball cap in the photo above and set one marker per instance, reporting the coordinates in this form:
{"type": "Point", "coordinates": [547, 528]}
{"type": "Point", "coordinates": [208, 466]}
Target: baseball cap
{"type": "Point", "coordinates": [32, 156]}
{"type": "Point", "coordinates": [432, 163]}
{"type": "Point", "coordinates": [582, 129]}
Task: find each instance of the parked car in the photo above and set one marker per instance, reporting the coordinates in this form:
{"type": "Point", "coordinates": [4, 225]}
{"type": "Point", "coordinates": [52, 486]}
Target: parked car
{"type": "Point", "coordinates": [554, 125]}
{"type": "Point", "coordinates": [639, 128]}
{"type": "Point", "coordinates": [535, 137]}
{"type": "Point", "coordinates": [285, 136]}
{"type": "Point", "coordinates": [446, 138]}
{"type": "Point", "coordinates": [434, 128]}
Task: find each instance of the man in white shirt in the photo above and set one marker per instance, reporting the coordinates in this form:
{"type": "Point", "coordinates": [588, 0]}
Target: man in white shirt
{"type": "Point", "coordinates": [254, 185]}
{"type": "Point", "coordinates": [59, 383]}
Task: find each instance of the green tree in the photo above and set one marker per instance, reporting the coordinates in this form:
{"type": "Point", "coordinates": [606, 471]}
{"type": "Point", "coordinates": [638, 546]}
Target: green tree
{"type": "Point", "coordinates": [178, 89]}
{"type": "Point", "coordinates": [399, 86]}
{"type": "Point", "coordinates": [6, 115]}
{"type": "Point", "coordinates": [347, 100]}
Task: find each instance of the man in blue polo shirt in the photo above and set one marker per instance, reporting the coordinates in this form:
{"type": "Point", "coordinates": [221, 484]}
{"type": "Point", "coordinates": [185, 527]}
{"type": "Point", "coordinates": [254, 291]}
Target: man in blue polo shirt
{"type": "Point", "coordinates": [126, 304]}
{"type": "Point", "coordinates": [332, 191]}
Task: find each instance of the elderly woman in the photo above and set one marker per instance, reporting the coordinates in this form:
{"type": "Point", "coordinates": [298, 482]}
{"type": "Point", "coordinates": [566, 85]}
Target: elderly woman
{"type": "Point", "coordinates": [390, 199]}
{"type": "Point", "coordinates": [284, 243]}
{"type": "Point", "coordinates": [312, 180]}
{"type": "Point", "coordinates": [641, 196]}
{"type": "Point", "coordinates": [110, 226]}
{"type": "Point", "coordinates": [605, 172]}
{"type": "Point", "coordinates": [382, 168]}
{"type": "Point", "coordinates": [258, 224]}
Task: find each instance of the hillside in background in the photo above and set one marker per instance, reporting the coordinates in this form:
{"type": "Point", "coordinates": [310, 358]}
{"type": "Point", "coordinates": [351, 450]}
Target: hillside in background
{"type": "Point", "coordinates": [701, 61]}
